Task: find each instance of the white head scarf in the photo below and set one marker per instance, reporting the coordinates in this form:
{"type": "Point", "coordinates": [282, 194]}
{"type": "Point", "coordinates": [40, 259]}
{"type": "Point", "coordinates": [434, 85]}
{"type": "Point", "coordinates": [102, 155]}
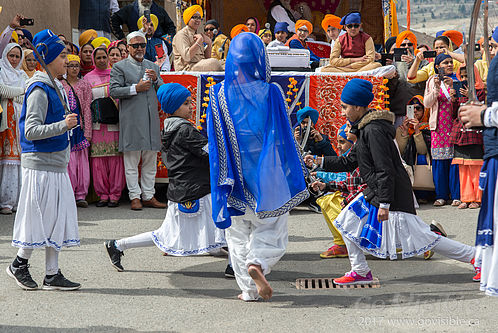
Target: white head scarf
{"type": "Point", "coordinates": [134, 34]}
{"type": "Point", "coordinates": [9, 75]}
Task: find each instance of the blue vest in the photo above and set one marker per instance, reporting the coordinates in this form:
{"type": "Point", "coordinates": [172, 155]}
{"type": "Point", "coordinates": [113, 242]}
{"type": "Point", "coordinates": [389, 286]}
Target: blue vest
{"type": "Point", "coordinates": [490, 134]}
{"type": "Point", "coordinates": [55, 113]}
{"type": "Point", "coordinates": [150, 50]}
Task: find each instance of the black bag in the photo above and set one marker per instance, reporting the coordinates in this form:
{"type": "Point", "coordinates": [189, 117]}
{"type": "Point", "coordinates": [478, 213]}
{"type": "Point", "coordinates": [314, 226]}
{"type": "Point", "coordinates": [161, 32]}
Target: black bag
{"type": "Point", "coordinates": [104, 111]}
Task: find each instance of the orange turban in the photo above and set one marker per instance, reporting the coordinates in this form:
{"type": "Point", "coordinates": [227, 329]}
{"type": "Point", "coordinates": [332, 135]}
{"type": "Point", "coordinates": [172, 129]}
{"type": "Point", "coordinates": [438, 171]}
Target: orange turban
{"type": "Point", "coordinates": [238, 29]}
{"type": "Point", "coordinates": [86, 36]}
{"type": "Point", "coordinates": [306, 23]}
{"type": "Point", "coordinates": [455, 36]}
{"type": "Point", "coordinates": [406, 35]}
{"type": "Point", "coordinates": [331, 20]}
{"type": "Point", "coordinates": [190, 11]}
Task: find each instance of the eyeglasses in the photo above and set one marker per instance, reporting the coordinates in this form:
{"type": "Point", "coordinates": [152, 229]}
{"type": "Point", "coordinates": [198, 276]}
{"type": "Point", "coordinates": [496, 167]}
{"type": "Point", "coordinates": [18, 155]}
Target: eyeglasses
{"type": "Point", "coordinates": [303, 30]}
{"type": "Point", "coordinates": [137, 45]}
{"type": "Point", "coordinates": [196, 17]}
{"type": "Point", "coordinates": [407, 44]}
{"type": "Point", "coordinates": [352, 26]}
{"type": "Point", "coordinates": [209, 29]}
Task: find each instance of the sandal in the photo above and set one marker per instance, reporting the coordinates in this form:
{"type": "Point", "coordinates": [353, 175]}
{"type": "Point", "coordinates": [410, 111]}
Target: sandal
{"type": "Point", "coordinates": [474, 205]}
{"type": "Point", "coordinates": [456, 203]}
{"type": "Point", "coordinates": [439, 202]}
{"type": "Point", "coordinates": [463, 205]}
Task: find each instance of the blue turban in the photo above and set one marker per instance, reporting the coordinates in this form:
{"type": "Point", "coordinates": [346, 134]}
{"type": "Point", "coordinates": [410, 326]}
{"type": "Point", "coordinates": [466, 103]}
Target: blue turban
{"type": "Point", "coordinates": [27, 34]}
{"type": "Point", "coordinates": [357, 92]}
{"type": "Point", "coordinates": [439, 59]}
{"type": "Point", "coordinates": [495, 35]}
{"type": "Point", "coordinates": [351, 18]}
{"type": "Point", "coordinates": [307, 112]}
{"type": "Point", "coordinates": [342, 133]}
{"type": "Point", "coordinates": [48, 45]}
{"type": "Point", "coordinates": [440, 33]}
{"type": "Point", "coordinates": [172, 96]}
{"type": "Point", "coordinates": [281, 26]}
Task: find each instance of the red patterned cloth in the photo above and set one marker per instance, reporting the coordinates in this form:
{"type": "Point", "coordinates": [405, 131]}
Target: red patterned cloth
{"type": "Point", "coordinates": [350, 187]}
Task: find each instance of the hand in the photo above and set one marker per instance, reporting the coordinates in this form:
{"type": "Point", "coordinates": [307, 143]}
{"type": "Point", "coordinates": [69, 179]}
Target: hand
{"type": "Point", "coordinates": [470, 115]}
{"type": "Point", "coordinates": [383, 214]}
{"type": "Point", "coordinates": [143, 85]}
{"type": "Point", "coordinates": [297, 133]}
{"type": "Point", "coordinates": [316, 135]}
{"type": "Point", "coordinates": [407, 57]}
{"type": "Point", "coordinates": [207, 40]}
{"type": "Point", "coordinates": [16, 21]}
{"type": "Point", "coordinates": [151, 74]}
{"type": "Point", "coordinates": [437, 83]}
{"type": "Point", "coordinates": [404, 127]}
{"type": "Point", "coordinates": [452, 93]}
{"type": "Point", "coordinates": [146, 25]}
{"type": "Point", "coordinates": [71, 120]}
{"type": "Point", "coordinates": [448, 81]}
{"type": "Point", "coordinates": [419, 57]}
{"type": "Point", "coordinates": [199, 39]}
{"type": "Point", "coordinates": [464, 91]}
{"type": "Point", "coordinates": [160, 61]}
{"type": "Point", "coordinates": [318, 186]}
{"type": "Point", "coordinates": [416, 125]}
{"type": "Point", "coordinates": [377, 56]}
{"type": "Point", "coordinates": [313, 173]}
{"type": "Point", "coordinates": [389, 62]}
{"type": "Point", "coordinates": [308, 160]}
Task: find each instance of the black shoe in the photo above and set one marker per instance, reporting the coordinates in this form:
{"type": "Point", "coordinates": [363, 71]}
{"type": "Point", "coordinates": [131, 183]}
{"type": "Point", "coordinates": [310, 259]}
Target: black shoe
{"type": "Point", "coordinates": [114, 254]}
{"type": "Point", "coordinates": [438, 229]}
{"type": "Point", "coordinates": [229, 273]}
{"type": "Point", "coordinates": [113, 204]}
{"type": "Point", "coordinates": [82, 203]}
{"type": "Point", "coordinates": [22, 277]}
{"type": "Point", "coordinates": [312, 206]}
{"type": "Point", "coordinates": [101, 203]}
{"type": "Point", "coordinates": [59, 282]}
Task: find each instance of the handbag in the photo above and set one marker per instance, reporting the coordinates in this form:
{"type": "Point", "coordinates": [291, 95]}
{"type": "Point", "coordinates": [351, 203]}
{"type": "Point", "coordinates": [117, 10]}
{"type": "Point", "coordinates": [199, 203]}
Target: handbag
{"type": "Point", "coordinates": [422, 175]}
{"type": "Point", "coordinates": [104, 111]}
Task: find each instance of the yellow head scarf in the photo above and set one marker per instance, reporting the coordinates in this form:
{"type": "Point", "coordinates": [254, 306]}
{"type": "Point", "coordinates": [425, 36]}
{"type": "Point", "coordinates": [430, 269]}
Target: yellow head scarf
{"type": "Point", "coordinates": [238, 29]}
{"type": "Point", "coordinates": [27, 52]}
{"type": "Point", "coordinates": [190, 11]}
{"type": "Point", "coordinates": [153, 18]}
{"type": "Point", "coordinates": [87, 36]}
{"type": "Point", "coordinates": [15, 36]}
{"type": "Point", "coordinates": [305, 23]}
{"type": "Point", "coordinates": [72, 57]}
{"type": "Point", "coordinates": [97, 42]}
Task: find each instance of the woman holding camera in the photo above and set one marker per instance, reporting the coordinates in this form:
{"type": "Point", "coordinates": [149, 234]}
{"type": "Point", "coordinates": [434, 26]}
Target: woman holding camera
{"type": "Point", "coordinates": [440, 98]}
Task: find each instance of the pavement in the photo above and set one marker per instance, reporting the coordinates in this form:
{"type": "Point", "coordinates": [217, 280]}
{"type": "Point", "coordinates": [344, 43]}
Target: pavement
{"type": "Point", "coordinates": [159, 293]}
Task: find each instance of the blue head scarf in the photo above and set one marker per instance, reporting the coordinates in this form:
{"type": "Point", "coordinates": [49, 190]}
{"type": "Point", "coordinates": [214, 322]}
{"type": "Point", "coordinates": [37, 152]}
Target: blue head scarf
{"type": "Point", "coordinates": [357, 92]}
{"type": "Point", "coordinates": [172, 96]}
{"type": "Point", "coordinates": [351, 18]}
{"type": "Point", "coordinates": [27, 34]}
{"type": "Point", "coordinates": [440, 33]}
{"type": "Point", "coordinates": [281, 27]}
{"type": "Point", "coordinates": [307, 112]}
{"type": "Point", "coordinates": [254, 159]}
{"type": "Point", "coordinates": [439, 59]}
{"type": "Point", "coordinates": [342, 133]}
{"type": "Point", "coordinates": [48, 45]}
{"type": "Point", "coordinates": [495, 35]}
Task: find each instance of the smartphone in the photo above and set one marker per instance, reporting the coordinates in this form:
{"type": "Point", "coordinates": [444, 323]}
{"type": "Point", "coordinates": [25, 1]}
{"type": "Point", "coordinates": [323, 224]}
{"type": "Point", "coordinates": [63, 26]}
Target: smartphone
{"type": "Point", "coordinates": [147, 14]}
{"type": "Point", "coordinates": [159, 51]}
{"type": "Point", "coordinates": [477, 47]}
{"type": "Point", "coordinates": [430, 54]}
{"type": "Point", "coordinates": [410, 111]}
{"type": "Point", "coordinates": [398, 52]}
{"type": "Point", "coordinates": [459, 84]}
{"type": "Point", "coordinates": [26, 21]}
{"type": "Point", "coordinates": [384, 57]}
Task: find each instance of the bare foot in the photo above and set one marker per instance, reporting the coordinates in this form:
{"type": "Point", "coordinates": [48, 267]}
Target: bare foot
{"type": "Point", "coordinates": [240, 297]}
{"type": "Point", "coordinates": [264, 288]}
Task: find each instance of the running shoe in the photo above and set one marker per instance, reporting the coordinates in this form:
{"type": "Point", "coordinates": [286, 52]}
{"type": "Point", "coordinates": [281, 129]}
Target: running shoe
{"type": "Point", "coordinates": [22, 276]}
{"type": "Point", "coordinates": [354, 278]}
{"type": "Point", "coordinates": [59, 282]}
{"type": "Point", "coordinates": [335, 251]}
{"type": "Point", "coordinates": [114, 255]}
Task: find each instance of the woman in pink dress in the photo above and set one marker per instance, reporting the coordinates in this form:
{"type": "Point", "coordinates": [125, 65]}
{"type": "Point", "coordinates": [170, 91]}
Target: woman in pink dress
{"type": "Point", "coordinates": [106, 161]}
{"type": "Point", "coordinates": [439, 97]}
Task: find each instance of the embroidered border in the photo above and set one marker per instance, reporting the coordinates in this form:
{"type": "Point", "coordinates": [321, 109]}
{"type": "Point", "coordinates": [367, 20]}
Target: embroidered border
{"type": "Point", "coordinates": [182, 252]}
{"type": "Point", "coordinates": [67, 243]}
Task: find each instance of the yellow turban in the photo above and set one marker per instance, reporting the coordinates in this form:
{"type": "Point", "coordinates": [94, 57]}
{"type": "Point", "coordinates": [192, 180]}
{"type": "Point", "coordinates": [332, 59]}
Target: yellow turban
{"type": "Point", "coordinates": [455, 36]}
{"type": "Point", "coordinates": [306, 23]}
{"type": "Point", "coordinates": [97, 42]}
{"type": "Point", "coordinates": [238, 29]}
{"type": "Point", "coordinates": [72, 57]}
{"type": "Point", "coordinates": [87, 36]}
{"type": "Point", "coordinates": [190, 11]}
{"type": "Point", "coordinates": [406, 35]}
{"type": "Point", "coordinates": [15, 36]}
{"type": "Point", "coordinates": [262, 32]}
{"type": "Point", "coordinates": [153, 18]}
{"type": "Point", "coordinates": [331, 20]}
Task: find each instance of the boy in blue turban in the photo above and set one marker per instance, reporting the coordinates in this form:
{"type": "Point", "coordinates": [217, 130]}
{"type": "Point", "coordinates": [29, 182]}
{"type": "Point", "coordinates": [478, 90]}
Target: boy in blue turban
{"type": "Point", "coordinates": [353, 51]}
{"type": "Point", "coordinates": [188, 228]}
{"type": "Point", "coordinates": [317, 143]}
{"type": "Point", "coordinates": [383, 217]}
{"type": "Point", "coordinates": [46, 216]}
{"type": "Point", "coordinates": [281, 34]}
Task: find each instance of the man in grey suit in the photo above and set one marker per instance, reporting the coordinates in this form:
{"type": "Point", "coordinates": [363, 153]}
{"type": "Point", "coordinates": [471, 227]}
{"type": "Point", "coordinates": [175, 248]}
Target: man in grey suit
{"type": "Point", "coordinates": [134, 81]}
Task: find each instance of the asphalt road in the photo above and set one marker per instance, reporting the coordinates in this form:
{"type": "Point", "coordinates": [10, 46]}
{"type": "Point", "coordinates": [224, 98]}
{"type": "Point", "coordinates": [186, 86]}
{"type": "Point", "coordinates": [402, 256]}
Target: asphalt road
{"type": "Point", "coordinates": [171, 294]}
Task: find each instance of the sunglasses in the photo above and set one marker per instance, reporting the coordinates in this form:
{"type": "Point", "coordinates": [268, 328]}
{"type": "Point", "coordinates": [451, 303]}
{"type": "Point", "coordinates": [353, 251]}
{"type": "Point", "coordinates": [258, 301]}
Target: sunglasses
{"type": "Point", "coordinates": [137, 45]}
{"type": "Point", "coordinates": [352, 26]}
{"type": "Point", "coordinates": [407, 44]}
{"type": "Point", "coordinates": [417, 107]}
{"type": "Point", "coordinates": [196, 17]}
{"type": "Point", "coordinates": [209, 29]}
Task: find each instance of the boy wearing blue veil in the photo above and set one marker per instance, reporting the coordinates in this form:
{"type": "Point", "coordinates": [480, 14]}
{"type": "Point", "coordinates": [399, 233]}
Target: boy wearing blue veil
{"type": "Point", "coordinates": [256, 169]}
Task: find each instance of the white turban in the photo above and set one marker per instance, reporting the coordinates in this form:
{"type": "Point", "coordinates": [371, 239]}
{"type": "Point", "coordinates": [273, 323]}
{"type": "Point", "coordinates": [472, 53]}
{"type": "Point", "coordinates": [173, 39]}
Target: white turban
{"type": "Point", "coordinates": [135, 34]}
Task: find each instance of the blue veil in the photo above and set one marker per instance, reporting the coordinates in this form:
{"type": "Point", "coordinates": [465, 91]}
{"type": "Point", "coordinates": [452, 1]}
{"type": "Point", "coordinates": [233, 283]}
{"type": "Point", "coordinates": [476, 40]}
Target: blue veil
{"type": "Point", "coordinates": [254, 159]}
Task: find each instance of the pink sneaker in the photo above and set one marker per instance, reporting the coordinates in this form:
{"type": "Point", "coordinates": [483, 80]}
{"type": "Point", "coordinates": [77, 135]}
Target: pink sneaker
{"type": "Point", "coordinates": [477, 277]}
{"type": "Point", "coordinates": [354, 278]}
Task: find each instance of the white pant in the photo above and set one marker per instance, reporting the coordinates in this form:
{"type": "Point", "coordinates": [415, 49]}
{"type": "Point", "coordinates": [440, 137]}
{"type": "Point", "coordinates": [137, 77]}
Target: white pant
{"type": "Point", "coordinates": [148, 173]}
{"type": "Point", "coordinates": [253, 241]}
{"type": "Point", "coordinates": [51, 259]}
{"type": "Point", "coordinates": [447, 247]}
